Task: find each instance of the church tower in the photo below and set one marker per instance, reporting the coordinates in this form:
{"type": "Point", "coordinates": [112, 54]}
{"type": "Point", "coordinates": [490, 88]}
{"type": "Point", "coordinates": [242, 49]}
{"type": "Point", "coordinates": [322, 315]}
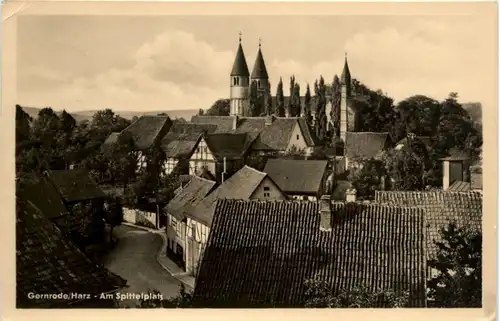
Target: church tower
{"type": "Point", "coordinates": [346, 123]}
{"type": "Point", "coordinates": [239, 84]}
{"type": "Point", "coordinates": [259, 72]}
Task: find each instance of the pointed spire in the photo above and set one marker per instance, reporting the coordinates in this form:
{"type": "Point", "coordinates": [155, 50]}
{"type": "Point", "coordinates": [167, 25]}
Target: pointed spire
{"type": "Point", "coordinates": [345, 78]}
{"type": "Point", "coordinates": [240, 67]}
{"type": "Point", "coordinates": [259, 69]}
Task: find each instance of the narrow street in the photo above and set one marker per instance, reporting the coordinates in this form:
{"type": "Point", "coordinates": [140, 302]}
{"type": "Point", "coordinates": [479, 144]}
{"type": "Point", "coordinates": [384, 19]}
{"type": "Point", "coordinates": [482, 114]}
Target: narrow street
{"type": "Point", "coordinates": [134, 259]}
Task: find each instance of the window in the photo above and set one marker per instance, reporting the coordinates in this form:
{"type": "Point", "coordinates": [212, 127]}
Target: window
{"type": "Point", "coordinates": [266, 188]}
{"type": "Point", "coordinates": [174, 222]}
{"type": "Point", "coordinates": [236, 81]}
{"type": "Point", "coordinates": [298, 136]}
{"type": "Point", "coordinates": [258, 83]}
{"type": "Point", "coordinates": [267, 194]}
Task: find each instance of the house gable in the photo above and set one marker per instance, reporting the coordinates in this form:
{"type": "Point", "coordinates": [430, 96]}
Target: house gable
{"type": "Point", "coordinates": [201, 157]}
{"type": "Point", "coordinates": [268, 190]}
{"type": "Point", "coordinates": [297, 139]}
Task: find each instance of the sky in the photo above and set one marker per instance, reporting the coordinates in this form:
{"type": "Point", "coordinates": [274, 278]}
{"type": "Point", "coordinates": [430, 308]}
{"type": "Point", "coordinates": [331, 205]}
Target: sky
{"type": "Point", "coordinates": [145, 63]}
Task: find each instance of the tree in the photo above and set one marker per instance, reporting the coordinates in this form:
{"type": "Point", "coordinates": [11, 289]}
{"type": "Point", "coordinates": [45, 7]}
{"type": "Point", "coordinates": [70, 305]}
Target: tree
{"type": "Point", "coordinates": [23, 121]}
{"type": "Point", "coordinates": [307, 106]}
{"type": "Point", "coordinates": [183, 300]}
{"type": "Point", "coordinates": [68, 123]}
{"type": "Point", "coordinates": [368, 178]}
{"type": "Point", "coordinates": [122, 160]}
{"type": "Point", "coordinates": [280, 100]}
{"type": "Point", "coordinates": [335, 98]}
{"type": "Point", "coordinates": [219, 108]}
{"type": "Point", "coordinates": [319, 294]}
{"type": "Point", "coordinates": [458, 283]}
{"type": "Point", "coordinates": [295, 101]}
{"type": "Point", "coordinates": [290, 108]}
{"type": "Point", "coordinates": [253, 100]}
{"type": "Point", "coordinates": [134, 119]}
{"type": "Point", "coordinates": [320, 98]}
{"type": "Point", "coordinates": [268, 101]}
{"type": "Point", "coordinates": [407, 166]}
{"type": "Point", "coordinates": [201, 112]}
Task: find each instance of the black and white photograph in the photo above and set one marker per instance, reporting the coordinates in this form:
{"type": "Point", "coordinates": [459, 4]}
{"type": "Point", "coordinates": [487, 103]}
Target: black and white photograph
{"type": "Point", "coordinates": [252, 160]}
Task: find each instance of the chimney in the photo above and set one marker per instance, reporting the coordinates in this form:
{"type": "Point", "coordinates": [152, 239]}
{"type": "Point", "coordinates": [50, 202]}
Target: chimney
{"type": "Point", "coordinates": [235, 122]}
{"type": "Point", "coordinates": [269, 120]}
{"type": "Point", "coordinates": [350, 195]}
{"type": "Point", "coordinates": [325, 212]}
{"type": "Point", "coordinates": [452, 172]}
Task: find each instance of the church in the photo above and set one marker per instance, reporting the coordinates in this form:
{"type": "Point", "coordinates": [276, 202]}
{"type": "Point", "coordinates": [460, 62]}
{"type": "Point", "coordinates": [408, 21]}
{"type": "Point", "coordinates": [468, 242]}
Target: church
{"type": "Point", "coordinates": [351, 142]}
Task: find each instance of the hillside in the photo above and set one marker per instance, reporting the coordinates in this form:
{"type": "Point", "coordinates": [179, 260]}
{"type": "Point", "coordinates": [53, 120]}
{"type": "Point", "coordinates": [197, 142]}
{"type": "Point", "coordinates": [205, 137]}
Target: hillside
{"type": "Point", "coordinates": [87, 115]}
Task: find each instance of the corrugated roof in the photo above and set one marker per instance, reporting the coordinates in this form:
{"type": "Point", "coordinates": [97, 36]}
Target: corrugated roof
{"type": "Point", "coordinates": [240, 185]}
{"type": "Point", "coordinates": [240, 67]}
{"type": "Point", "coordinates": [297, 176]}
{"type": "Point", "coordinates": [146, 130]}
{"type": "Point", "coordinates": [463, 208]}
{"type": "Point", "coordinates": [189, 196]}
{"type": "Point", "coordinates": [75, 185]}
{"type": "Point", "coordinates": [46, 263]}
{"type": "Point", "coordinates": [260, 253]}
{"type": "Point", "coordinates": [365, 144]}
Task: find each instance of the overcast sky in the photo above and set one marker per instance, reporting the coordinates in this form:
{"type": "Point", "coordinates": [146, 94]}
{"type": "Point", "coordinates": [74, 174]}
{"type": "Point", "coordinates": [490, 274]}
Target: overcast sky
{"type": "Point", "coordinates": [146, 63]}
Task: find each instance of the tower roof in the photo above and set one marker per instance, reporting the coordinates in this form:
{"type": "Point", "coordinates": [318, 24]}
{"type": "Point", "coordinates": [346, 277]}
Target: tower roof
{"type": "Point", "coordinates": [346, 74]}
{"type": "Point", "coordinates": [259, 68]}
{"type": "Point", "coordinates": [240, 67]}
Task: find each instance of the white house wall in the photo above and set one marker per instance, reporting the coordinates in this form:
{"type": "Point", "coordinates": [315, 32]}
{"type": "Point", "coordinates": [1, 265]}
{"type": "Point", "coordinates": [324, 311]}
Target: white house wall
{"type": "Point", "coordinates": [297, 139]}
{"type": "Point", "coordinates": [201, 157]}
{"type": "Point", "coordinates": [136, 216]}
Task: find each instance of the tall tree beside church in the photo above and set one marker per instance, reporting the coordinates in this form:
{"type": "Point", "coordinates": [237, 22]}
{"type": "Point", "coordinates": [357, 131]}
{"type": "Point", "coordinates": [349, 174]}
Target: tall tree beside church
{"type": "Point", "coordinates": [320, 97]}
{"type": "Point", "coordinates": [253, 100]}
{"type": "Point", "coordinates": [295, 101]}
{"type": "Point", "coordinates": [335, 112]}
{"type": "Point", "coordinates": [280, 100]}
{"type": "Point", "coordinates": [307, 105]}
{"type": "Point", "coordinates": [290, 107]}
{"type": "Point", "coordinates": [268, 101]}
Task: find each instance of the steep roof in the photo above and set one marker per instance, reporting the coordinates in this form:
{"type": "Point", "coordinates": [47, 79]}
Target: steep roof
{"type": "Point", "coordinates": [259, 253]}
{"type": "Point", "coordinates": [272, 137]}
{"type": "Point", "coordinates": [44, 196]}
{"type": "Point", "coordinates": [240, 67]}
{"type": "Point", "coordinates": [259, 68]}
{"type": "Point", "coordinates": [365, 144]}
{"type": "Point", "coordinates": [345, 78]}
{"type": "Point", "coordinates": [464, 208]}
{"type": "Point", "coordinates": [75, 185]}
{"type": "Point", "coordinates": [146, 130]}
{"type": "Point", "coordinates": [240, 185]}
{"type": "Point", "coordinates": [231, 146]}
{"type": "Point", "coordinates": [112, 138]}
{"type": "Point", "coordinates": [46, 263]}
{"type": "Point", "coordinates": [189, 196]}
{"type": "Point", "coordinates": [182, 138]}
{"type": "Point", "coordinates": [297, 176]}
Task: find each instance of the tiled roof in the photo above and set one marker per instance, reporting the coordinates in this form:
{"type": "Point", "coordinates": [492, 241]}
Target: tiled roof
{"type": "Point", "coordinates": [272, 137]}
{"type": "Point", "coordinates": [240, 67]}
{"type": "Point", "coordinates": [182, 138]}
{"type": "Point", "coordinates": [44, 196]}
{"type": "Point", "coordinates": [112, 138]}
{"type": "Point", "coordinates": [240, 185]}
{"type": "Point", "coordinates": [463, 208]}
{"type": "Point", "coordinates": [365, 144]}
{"type": "Point", "coordinates": [259, 68]}
{"type": "Point", "coordinates": [260, 253]}
{"type": "Point", "coordinates": [46, 263]}
{"type": "Point", "coordinates": [459, 186]}
{"type": "Point", "coordinates": [75, 185]}
{"type": "Point", "coordinates": [231, 146]}
{"type": "Point", "coordinates": [189, 196]}
{"type": "Point", "coordinates": [297, 176]}
{"type": "Point", "coordinates": [146, 130]}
